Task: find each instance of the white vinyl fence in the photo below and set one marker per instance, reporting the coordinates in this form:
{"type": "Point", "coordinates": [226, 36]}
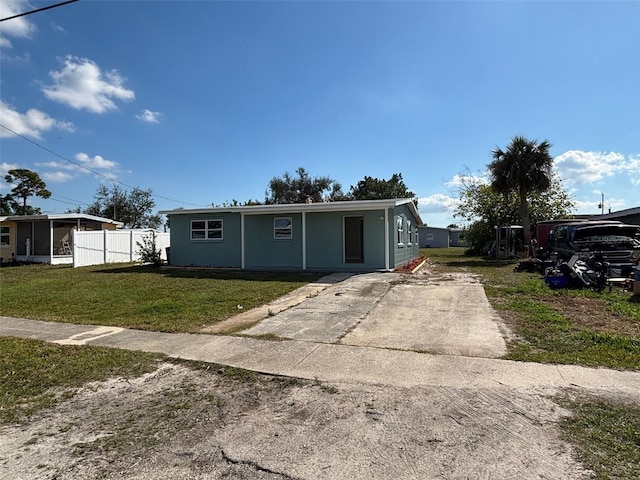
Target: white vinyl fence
{"type": "Point", "coordinates": [113, 246]}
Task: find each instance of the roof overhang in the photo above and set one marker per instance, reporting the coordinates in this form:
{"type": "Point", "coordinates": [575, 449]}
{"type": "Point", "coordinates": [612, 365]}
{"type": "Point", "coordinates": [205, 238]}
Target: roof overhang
{"type": "Point", "coordinates": [355, 205]}
{"type": "Point", "coordinates": [60, 217]}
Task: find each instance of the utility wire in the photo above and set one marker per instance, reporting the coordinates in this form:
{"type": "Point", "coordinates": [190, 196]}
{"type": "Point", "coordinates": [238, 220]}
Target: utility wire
{"type": "Point", "coordinates": [67, 200]}
{"type": "Point", "coordinates": [110, 179]}
{"type": "Point", "coordinates": [37, 10]}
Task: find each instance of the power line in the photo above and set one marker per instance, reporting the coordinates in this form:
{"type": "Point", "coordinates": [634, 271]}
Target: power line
{"type": "Point", "coordinates": [67, 200]}
{"type": "Point", "coordinates": [37, 10]}
{"type": "Point", "coordinates": [110, 179]}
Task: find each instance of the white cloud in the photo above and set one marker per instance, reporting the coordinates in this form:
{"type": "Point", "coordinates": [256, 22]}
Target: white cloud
{"type": "Point", "coordinates": [19, 27]}
{"type": "Point", "coordinates": [57, 177]}
{"type": "Point", "coordinates": [5, 167]}
{"type": "Point", "coordinates": [95, 163]}
{"type": "Point", "coordinates": [578, 168]}
{"type": "Point", "coordinates": [58, 28]}
{"type": "Point", "coordinates": [633, 169]}
{"type": "Point", "coordinates": [459, 181]}
{"type": "Point", "coordinates": [149, 116]}
{"type": "Point", "coordinates": [437, 203]}
{"type": "Point", "coordinates": [81, 84]}
{"type": "Point", "coordinates": [65, 171]}
{"type": "Point", "coordinates": [30, 124]}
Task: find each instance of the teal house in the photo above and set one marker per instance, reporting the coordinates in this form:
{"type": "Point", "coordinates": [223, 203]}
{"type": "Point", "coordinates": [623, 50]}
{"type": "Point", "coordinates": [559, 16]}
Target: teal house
{"type": "Point", "coordinates": [362, 235]}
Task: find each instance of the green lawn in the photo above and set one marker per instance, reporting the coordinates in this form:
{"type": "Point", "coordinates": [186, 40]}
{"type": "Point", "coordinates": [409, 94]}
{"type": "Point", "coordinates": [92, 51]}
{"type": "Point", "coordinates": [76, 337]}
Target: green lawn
{"type": "Point", "coordinates": [141, 297]}
{"type": "Point", "coordinates": [35, 374]}
{"type": "Point", "coordinates": [606, 436]}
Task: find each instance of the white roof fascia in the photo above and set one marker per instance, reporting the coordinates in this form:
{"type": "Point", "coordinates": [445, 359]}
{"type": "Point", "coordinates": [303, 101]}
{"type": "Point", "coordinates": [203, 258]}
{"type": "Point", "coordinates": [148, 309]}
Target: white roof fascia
{"type": "Point", "coordinates": [61, 216]}
{"type": "Point", "coordinates": [300, 207]}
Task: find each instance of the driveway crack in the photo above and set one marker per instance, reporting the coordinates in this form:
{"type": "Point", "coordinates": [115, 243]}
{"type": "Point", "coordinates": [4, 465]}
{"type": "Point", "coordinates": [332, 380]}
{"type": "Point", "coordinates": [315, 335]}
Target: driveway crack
{"type": "Point", "coordinates": [254, 465]}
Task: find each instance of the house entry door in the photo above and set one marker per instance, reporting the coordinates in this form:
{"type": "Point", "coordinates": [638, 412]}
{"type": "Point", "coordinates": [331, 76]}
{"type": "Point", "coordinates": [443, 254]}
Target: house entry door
{"type": "Point", "coordinates": [353, 239]}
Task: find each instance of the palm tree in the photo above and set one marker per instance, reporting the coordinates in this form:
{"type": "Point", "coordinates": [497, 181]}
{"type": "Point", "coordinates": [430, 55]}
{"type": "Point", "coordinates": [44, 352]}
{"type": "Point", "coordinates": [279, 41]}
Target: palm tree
{"type": "Point", "coordinates": [524, 168]}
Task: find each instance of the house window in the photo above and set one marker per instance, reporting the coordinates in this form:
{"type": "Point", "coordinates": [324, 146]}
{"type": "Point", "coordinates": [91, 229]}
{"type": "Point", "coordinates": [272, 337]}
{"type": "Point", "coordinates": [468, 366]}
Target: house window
{"type": "Point", "coordinates": [206, 229]}
{"type": "Point", "coordinates": [409, 232]}
{"type": "Point", "coordinates": [282, 228]}
{"type": "Point", "coordinates": [399, 230]}
{"type": "Point", "coordinates": [4, 236]}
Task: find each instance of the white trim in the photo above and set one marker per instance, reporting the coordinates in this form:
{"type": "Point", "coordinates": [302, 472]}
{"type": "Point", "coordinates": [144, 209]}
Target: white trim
{"type": "Point", "coordinates": [51, 238]}
{"type": "Point", "coordinates": [206, 230]}
{"type": "Point", "coordinates": [387, 244]}
{"type": "Point", "coordinates": [61, 216]}
{"type": "Point", "coordinates": [304, 240]}
{"type": "Point", "coordinates": [7, 234]}
{"type": "Point", "coordinates": [345, 206]}
{"type": "Point", "coordinates": [400, 236]}
{"type": "Point", "coordinates": [289, 228]}
{"type": "Point", "coordinates": [242, 249]}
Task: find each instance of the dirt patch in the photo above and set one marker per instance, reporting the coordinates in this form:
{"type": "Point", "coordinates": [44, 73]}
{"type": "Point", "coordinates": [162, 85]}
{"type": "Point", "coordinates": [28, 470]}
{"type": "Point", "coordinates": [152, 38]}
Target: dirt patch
{"type": "Point", "coordinates": [186, 423]}
{"type": "Point", "coordinates": [592, 313]}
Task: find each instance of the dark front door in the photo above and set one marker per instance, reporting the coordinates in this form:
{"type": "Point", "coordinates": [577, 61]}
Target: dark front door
{"type": "Point", "coordinates": [353, 240]}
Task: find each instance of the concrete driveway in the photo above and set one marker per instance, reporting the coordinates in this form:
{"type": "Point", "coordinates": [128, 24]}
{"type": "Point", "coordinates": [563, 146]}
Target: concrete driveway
{"type": "Point", "coordinates": [446, 314]}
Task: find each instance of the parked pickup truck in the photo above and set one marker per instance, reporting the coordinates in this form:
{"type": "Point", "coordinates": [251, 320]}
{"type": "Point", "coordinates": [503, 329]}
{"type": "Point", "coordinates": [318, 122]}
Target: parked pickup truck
{"type": "Point", "coordinates": [615, 243]}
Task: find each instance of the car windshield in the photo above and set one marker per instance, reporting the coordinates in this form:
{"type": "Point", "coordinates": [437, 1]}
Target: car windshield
{"type": "Point", "coordinates": [609, 232]}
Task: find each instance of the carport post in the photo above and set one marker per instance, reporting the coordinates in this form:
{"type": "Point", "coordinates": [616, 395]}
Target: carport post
{"type": "Point", "coordinates": [386, 238]}
{"type": "Point", "coordinates": [242, 239]}
{"type": "Point", "coordinates": [304, 240]}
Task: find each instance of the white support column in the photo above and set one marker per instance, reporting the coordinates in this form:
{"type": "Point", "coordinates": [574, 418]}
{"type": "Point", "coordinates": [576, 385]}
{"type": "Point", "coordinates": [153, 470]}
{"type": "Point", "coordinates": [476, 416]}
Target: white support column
{"type": "Point", "coordinates": [74, 249]}
{"type": "Point", "coordinates": [51, 240]}
{"type": "Point", "coordinates": [242, 239]}
{"type": "Point", "coordinates": [386, 239]}
{"type": "Point", "coordinates": [304, 240]}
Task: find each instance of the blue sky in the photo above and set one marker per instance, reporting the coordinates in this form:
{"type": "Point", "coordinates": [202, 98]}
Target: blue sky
{"type": "Point", "coordinates": [204, 101]}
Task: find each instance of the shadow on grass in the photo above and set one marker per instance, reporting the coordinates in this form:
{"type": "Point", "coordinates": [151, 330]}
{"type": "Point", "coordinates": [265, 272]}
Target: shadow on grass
{"type": "Point", "coordinates": [474, 262]}
{"type": "Point", "coordinates": [215, 274]}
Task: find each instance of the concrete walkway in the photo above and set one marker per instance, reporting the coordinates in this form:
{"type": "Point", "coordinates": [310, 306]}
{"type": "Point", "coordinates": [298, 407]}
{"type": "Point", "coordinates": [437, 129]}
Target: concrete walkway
{"type": "Point", "coordinates": [379, 328]}
{"type": "Point", "coordinates": [331, 362]}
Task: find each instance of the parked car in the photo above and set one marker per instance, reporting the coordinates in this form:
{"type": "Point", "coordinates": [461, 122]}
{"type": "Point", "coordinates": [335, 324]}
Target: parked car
{"type": "Point", "coordinates": [615, 243]}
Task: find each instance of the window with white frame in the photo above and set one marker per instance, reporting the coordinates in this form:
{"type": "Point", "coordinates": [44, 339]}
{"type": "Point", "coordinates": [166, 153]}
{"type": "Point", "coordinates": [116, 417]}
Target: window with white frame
{"type": "Point", "coordinates": [206, 229]}
{"type": "Point", "coordinates": [409, 232]}
{"type": "Point", "coordinates": [399, 230]}
{"type": "Point", "coordinates": [5, 236]}
{"type": "Point", "coordinates": [282, 228]}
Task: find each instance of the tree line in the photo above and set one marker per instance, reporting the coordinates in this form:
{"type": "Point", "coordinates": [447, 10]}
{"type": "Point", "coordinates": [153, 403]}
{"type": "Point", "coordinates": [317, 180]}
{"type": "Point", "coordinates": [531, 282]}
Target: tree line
{"type": "Point", "coordinates": [134, 208]}
{"type": "Point", "coordinates": [301, 188]}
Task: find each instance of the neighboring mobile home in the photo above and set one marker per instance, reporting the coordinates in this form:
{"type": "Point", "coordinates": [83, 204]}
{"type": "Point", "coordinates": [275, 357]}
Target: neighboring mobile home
{"type": "Point", "coordinates": [363, 235]}
{"type": "Point", "coordinates": [45, 238]}
{"type": "Point", "coordinates": [630, 216]}
{"type": "Point", "coordinates": [437, 237]}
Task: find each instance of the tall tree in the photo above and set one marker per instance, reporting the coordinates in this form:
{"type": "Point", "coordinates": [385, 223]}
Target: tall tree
{"type": "Point", "coordinates": [26, 184]}
{"type": "Point", "coordinates": [371, 188]}
{"type": "Point", "coordinates": [8, 205]}
{"type": "Point", "coordinates": [524, 167]}
{"type": "Point", "coordinates": [482, 208]}
{"type": "Point", "coordinates": [302, 188]}
{"type": "Point", "coordinates": [134, 208]}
